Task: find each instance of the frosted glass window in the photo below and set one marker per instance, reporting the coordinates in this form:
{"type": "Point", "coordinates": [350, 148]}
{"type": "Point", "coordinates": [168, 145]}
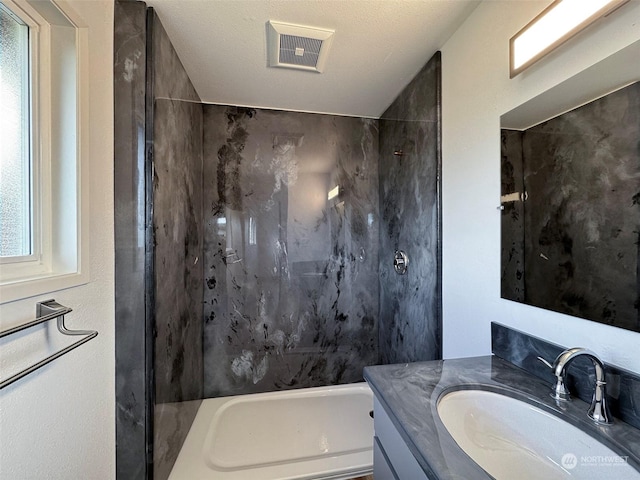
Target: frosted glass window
{"type": "Point", "coordinates": [15, 164]}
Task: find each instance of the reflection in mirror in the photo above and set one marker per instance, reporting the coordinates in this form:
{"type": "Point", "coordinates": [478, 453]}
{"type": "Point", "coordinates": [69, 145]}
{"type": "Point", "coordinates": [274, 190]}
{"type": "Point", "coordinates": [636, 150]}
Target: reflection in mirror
{"type": "Point", "coordinates": [571, 203]}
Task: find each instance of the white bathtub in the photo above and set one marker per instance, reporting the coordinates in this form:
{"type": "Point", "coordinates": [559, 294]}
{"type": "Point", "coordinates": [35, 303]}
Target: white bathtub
{"type": "Point", "coordinates": [312, 433]}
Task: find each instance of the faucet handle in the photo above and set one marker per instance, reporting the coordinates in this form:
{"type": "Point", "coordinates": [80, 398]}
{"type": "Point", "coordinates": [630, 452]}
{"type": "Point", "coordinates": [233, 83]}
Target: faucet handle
{"type": "Point", "coordinates": [547, 363]}
{"type": "Point", "coordinates": [560, 390]}
{"type": "Point", "coordinates": [598, 411]}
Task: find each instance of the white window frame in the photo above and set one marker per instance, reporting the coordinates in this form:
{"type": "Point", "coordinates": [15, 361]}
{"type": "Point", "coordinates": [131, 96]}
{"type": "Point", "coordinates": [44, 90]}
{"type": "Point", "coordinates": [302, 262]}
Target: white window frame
{"type": "Point", "coordinates": [59, 151]}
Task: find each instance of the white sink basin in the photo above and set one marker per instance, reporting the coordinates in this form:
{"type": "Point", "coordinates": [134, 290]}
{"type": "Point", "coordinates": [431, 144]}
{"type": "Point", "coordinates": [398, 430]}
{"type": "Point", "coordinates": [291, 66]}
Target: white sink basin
{"type": "Point", "coordinates": [511, 439]}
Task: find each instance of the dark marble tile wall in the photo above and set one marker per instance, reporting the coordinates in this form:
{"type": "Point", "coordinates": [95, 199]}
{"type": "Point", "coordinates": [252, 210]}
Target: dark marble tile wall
{"type": "Point", "coordinates": [410, 164]}
{"type": "Point", "coordinates": [133, 424]}
{"type": "Point", "coordinates": [178, 236]}
{"type": "Point", "coordinates": [523, 350]}
{"type": "Point", "coordinates": [177, 196]}
{"type": "Point", "coordinates": [170, 79]}
{"type": "Point", "coordinates": [582, 214]}
{"type": "Point", "coordinates": [512, 216]}
{"type": "Point", "coordinates": [291, 291]}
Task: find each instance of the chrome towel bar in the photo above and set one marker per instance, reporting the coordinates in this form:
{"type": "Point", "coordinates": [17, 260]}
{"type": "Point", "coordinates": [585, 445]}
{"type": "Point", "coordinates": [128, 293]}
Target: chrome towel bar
{"type": "Point", "coordinates": [45, 311]}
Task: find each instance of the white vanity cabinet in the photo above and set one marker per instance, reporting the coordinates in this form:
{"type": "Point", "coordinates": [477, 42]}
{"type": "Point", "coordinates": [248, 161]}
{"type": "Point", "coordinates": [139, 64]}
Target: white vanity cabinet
{"type": "Point", "coordinates": [392, 459]}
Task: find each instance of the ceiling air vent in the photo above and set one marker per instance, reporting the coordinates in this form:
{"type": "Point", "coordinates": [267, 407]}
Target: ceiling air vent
{"type": "Point", "coordinates": [299, 47]}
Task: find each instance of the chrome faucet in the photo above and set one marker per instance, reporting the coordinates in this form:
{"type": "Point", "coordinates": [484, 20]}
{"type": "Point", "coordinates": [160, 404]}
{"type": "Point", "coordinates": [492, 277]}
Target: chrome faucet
{"type": "Point", "coordinates": [598, 411]}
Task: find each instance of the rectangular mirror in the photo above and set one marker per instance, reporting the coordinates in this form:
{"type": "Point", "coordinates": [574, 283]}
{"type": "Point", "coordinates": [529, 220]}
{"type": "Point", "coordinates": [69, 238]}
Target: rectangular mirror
{"type": "Point", "coordinates": [570, 195]}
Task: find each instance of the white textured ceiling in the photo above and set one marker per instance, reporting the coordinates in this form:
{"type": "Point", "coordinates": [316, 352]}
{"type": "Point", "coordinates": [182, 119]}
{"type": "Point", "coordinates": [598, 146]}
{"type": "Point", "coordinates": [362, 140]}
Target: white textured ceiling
{"type": "Point", "coordinates": [378, 47]}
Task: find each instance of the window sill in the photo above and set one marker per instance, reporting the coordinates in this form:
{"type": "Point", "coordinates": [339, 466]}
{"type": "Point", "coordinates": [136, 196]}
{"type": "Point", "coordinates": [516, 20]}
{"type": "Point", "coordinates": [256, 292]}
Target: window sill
{"type": "Point", "coordinates": [21, 289]}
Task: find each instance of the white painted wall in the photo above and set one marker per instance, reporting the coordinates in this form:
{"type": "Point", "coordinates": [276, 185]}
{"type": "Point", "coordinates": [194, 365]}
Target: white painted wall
{"type": "Point", "coordinates": [476, 91]}
{"type": "Point", "coordinates": [59, 423]}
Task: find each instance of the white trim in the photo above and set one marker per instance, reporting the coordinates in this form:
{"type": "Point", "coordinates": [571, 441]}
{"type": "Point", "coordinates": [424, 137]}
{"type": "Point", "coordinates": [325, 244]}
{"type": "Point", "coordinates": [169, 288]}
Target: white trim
{"type": "Point", "coordinates": [82, 146]}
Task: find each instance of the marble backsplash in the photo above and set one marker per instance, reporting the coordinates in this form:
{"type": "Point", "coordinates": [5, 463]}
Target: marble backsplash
{"type": "Point", "coordinates": [410, 164]}
{"type": "Point", "coordinates": [523, 350]}
{"type": "Point", "coordinates": [290, 250]}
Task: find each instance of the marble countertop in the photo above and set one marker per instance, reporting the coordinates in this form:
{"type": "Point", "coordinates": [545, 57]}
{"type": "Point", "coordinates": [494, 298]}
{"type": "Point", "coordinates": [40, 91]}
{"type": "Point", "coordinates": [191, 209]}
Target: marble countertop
{"type": "Point", "coordinates": [409, 394]}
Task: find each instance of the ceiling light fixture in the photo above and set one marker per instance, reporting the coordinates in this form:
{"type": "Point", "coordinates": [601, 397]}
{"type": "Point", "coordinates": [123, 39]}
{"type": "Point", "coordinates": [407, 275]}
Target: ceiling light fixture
{"type": "Point", "coordinates": [555, 25]}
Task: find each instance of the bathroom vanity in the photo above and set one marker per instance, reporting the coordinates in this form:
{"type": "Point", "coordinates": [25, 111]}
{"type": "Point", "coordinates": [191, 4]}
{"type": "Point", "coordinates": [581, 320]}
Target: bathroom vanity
{"type": "Point", "coordinates": [392, 458]}
{"type": "Point", "coordinates": [413, 442]}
